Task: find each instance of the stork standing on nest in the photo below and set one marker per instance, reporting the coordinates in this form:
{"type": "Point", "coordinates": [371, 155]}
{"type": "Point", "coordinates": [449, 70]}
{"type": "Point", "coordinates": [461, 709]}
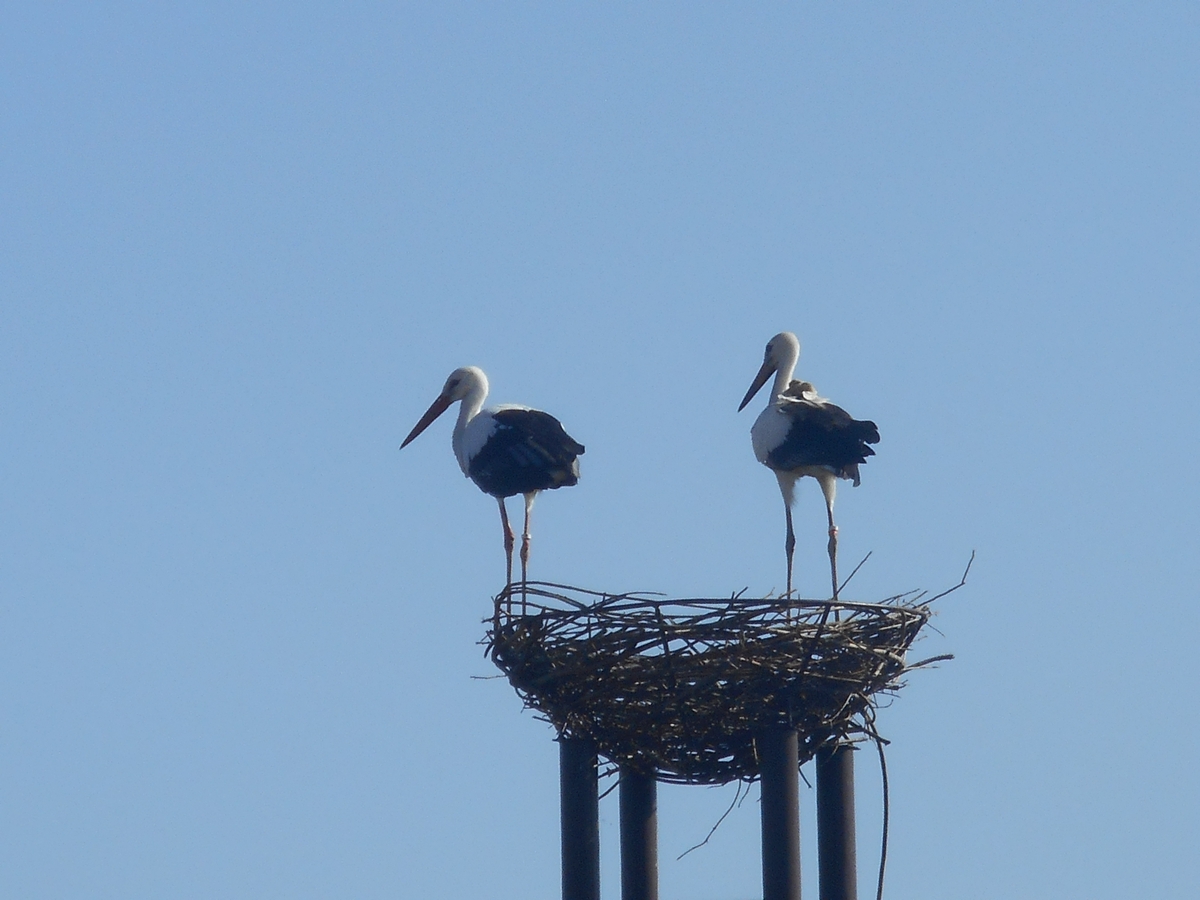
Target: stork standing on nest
{"type": "Point", "coordinates": [800, 433]}
{"type": "Point", "coordinates": [506, 450]}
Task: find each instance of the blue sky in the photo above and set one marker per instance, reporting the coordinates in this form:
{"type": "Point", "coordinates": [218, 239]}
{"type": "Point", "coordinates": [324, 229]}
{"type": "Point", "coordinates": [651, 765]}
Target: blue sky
{"type": "Point", "coordinates": [243, 246]}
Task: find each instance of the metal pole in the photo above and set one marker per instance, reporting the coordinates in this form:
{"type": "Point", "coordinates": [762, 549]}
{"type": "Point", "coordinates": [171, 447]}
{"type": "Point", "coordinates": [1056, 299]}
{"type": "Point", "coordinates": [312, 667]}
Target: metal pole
{"type": "Point", "coordinates": [779, 765]}
{"type": "Point", "coordinates": [835, 823]}
{"type": "Point", "coordinates": [639, 835]}
{"type": "Point", "coordinates": [579, 790]}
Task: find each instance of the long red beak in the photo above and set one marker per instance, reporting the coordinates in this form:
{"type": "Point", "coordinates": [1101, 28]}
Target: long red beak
{"type": "Point", "coordinates": [767, 370]}
{"type": "Point", "coordinates": [439, 406]}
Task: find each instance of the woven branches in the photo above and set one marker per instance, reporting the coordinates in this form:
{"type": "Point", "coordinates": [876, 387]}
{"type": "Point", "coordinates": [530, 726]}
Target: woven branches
{"type": "Point", "coordinates": [680, 687]}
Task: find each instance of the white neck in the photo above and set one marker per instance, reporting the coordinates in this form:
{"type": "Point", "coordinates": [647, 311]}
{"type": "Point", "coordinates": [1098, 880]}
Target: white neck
{"type": "Point", "coordinates": [787, 356]}
{"type": "Point", "coordinates": [468, 409]}
{"type": "Point", "coordinates": [471, 404]}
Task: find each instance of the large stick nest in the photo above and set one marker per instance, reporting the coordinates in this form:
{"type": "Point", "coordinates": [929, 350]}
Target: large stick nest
{"type": "Point", "coordinates": [680, 687]}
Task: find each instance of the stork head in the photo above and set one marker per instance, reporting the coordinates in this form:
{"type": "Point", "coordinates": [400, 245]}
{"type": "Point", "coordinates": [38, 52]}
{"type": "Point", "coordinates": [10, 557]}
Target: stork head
{"type": "Point", "coordinates": [462, 381]}
{"type": "Point", "coordinates": [780, 356]}
{"type": "Point", "coordinates": [461, 384]}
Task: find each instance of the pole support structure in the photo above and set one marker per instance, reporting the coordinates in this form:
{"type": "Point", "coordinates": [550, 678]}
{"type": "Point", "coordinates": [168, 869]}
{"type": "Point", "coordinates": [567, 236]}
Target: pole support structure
{"type": "Point", "coordinates": [638, 795]}
{"type": "Point", "coordinates": [580, 805]}
{"type": "Point", "coordinates": [836, 852]}
{"type": "Point", "coordinates": [779, 767]}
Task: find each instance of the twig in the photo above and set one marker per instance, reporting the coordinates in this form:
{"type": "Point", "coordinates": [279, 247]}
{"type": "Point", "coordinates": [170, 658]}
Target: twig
{"type": "Point", "coordinates": [957, 586]}
{"type": "Point", "coordinates": [886, 814]}
{"type": "Point", "coordinates": [943, 657]}
{"type": "Point", "coordinates": [855, 572]}
{"type": "Point", "coordinates": [713, 830]}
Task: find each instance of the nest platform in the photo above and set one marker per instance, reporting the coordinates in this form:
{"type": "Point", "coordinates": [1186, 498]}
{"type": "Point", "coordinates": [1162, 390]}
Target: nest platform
{"type": "Point", "coordinates": [681, 687]}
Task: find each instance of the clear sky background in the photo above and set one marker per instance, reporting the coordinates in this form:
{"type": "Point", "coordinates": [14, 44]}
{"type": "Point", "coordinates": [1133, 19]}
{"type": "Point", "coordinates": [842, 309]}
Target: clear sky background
{"type": "Point", "coordinates": [242, 246]}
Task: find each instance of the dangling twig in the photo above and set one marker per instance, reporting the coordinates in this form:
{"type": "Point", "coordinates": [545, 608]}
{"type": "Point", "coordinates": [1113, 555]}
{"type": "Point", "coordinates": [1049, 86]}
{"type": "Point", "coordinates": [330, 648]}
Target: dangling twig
{"type": "Point", "coordinates": [886, 813]}
{"type": "Point", "coordinates": [713, 830]}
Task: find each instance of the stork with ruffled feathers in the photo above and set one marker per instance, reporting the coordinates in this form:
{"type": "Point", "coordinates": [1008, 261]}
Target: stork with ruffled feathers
{"type": "Point", "coordinates": [802, 434]}
{"type": "Point", "coordinates": [506, 450]}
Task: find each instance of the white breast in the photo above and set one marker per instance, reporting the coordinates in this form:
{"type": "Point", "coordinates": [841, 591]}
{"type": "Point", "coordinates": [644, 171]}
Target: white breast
{"type": "Point", "coordinates": [769, 431]}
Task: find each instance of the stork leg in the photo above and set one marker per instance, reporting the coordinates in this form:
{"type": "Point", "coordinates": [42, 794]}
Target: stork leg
{"type": "Point", "coordinates": [833, 532]}
{"type": "Point", "coordinates": [829, 489]}
{"type": "Point", "coordinates": [508, 548]}
{"type": "Point", "coordinates": [789, 547]}
{"type": "Point", "coordinates": [525, 549]}
{"type": "Point", "coordinates": [787, 487]}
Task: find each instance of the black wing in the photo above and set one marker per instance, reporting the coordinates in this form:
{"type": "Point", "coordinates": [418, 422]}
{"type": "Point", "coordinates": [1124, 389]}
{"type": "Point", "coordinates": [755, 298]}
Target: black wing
{"type": "Point", "coordinates": [823, 434]}
{"type": "Point", "coordinates": [528, 451]}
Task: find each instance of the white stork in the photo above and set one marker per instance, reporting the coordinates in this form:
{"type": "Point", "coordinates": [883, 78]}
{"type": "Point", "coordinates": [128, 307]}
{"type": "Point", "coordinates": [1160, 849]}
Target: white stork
{"type": "Point", "coordinates": [506, 450]}
{"type": "Point", "coordinates": [800, 433]}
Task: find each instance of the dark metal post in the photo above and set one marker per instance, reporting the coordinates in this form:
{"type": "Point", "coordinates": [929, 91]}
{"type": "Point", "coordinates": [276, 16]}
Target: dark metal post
{"type": "Point", "coordinates": [779, 765]}
{"type": "Point", "coordinates": [579, 789]}
{"type": "Point", "coordinates": [639, 835]}
{"type": "Point", "coordinates": [835, 823]}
